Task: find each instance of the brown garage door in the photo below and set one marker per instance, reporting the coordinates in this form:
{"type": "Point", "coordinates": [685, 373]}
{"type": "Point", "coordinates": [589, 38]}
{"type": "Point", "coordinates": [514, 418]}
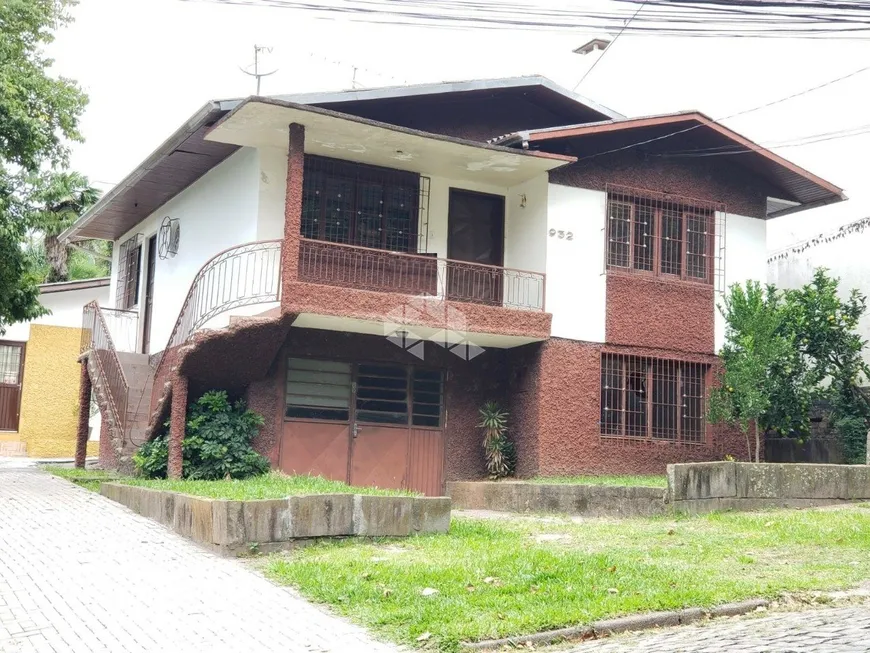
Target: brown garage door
{"type": "Point", "coordinates": [366, 424]}
{"type": "Point", "coordinates": [11, 372]}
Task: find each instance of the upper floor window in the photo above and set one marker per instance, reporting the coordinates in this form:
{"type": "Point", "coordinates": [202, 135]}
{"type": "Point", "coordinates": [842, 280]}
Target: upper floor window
{"type": "Point", "coordinates": [652, 398]}
{"type": "Point", "coordinates": [662, 234]}
{"type": "Point", "coordinates": [355, 204]}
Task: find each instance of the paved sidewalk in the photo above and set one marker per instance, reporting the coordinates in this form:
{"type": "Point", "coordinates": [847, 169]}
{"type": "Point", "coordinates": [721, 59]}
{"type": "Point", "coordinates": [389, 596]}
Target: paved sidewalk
{"type": "Point", "coordinates": [833, 630]}
{"type": "Point", "coordinates": [82, 574]}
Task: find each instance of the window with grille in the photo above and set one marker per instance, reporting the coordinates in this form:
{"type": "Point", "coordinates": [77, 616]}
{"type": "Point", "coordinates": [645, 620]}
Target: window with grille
{"type": "Point", "coordinates": [652, 398]}
{"type": "Point", "coordinates": [129, 262]}
{"type": "Point", "coordinates": [368, 393]}
{"type": "Point", "coordinates": [357, 204]}
{"type": "Point", "coordinates": [10, 364]}
{"type": "Point", "coordinates": [663, 234]}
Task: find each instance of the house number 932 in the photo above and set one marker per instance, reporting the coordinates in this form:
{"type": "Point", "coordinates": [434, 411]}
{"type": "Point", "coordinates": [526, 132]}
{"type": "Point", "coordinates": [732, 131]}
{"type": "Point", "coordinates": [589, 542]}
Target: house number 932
{"type": "Point", "coordinates": [567, 235]}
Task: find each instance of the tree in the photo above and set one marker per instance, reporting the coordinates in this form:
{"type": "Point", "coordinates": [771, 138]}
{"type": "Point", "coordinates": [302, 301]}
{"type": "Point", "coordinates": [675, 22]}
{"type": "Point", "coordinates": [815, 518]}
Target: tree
{"type": "Point", "coordinates": [757, 353]}
{"type": "Point", "coordinates": [784, 350]}
{"type": "Point", "coordinates": [59, 200]}
{"type": "Point", "coordinates": [824, 329]}
{"type": "Point", "coordinates": [39, 117]}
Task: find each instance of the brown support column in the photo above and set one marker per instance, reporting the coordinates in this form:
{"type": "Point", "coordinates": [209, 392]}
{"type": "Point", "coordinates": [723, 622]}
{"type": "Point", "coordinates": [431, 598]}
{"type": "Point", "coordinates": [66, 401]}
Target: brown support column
{"type": "Point", "coordinates": [293, 209]}
{"type": "Point", "coordinates": [84, 416]}
{"type": "Point", "coordinates": [177, 421]}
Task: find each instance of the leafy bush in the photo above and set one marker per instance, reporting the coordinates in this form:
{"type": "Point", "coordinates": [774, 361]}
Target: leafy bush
{"type": "Point", "coordinates": [217, 442]}
{"type": "Point", "coordinates": [499, 450]}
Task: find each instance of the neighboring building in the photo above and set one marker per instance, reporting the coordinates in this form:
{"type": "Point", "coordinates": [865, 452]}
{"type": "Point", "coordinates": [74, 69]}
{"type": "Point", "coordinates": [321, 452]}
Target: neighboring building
{"type": "Point", "coordinates": [842, 251]}
{"type": "Point", "coordinates": [39, 375]}
{"type": "Point", "coordinates": [368, 268]}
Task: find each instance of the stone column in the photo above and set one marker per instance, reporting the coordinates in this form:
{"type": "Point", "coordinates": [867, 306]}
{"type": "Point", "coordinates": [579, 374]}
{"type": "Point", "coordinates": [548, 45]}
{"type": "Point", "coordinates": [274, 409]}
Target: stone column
{"type": "Point", "coordinates": [293, 209]}
{"type": "Point", "coordinates": [177, 421]}
{"type": "Point", "coordinates": [84, 415]}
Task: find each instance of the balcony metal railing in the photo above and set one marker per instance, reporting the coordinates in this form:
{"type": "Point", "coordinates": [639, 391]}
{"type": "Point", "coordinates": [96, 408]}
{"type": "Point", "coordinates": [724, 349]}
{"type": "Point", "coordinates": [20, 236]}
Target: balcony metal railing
{"type": "Point", "coordinates": [97, 339]}
{"type": "Point", "coordinates": [363, 268]}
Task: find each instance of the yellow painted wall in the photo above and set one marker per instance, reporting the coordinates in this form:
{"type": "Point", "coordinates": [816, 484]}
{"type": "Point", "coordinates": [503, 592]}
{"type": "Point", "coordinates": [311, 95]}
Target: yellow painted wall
{"type": "Point", "coordinates": [49, 403]}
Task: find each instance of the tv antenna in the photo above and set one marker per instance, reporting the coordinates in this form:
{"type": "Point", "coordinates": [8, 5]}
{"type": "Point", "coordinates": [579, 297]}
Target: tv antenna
{"type": "Point", "coordinates": [257, 74]}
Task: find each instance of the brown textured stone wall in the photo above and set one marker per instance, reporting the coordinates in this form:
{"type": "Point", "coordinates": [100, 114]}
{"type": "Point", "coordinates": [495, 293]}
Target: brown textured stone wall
{"type": "Point", "coordinates": [561, 411]}
{"type": "Point", "coordinates": [108, 458]}
{"type": "Point", "coordinates": [648, 311]}
{"type": "Point", "coordinates": [703, 179]}
{"type": "Point", "coordinates": [320, 299]}
{"type": "Point", "coordinates": [468, 385]}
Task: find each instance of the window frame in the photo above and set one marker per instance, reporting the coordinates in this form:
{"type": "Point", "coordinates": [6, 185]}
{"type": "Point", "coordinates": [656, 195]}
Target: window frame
{"type": "Point", "coordinates": [656, 203]}
{"type": "Point", "coordinates": [358, 175]}
{"type": "Point", "coordinates": [627, 366]}
{"type": "Point", "coordinates": [410, 394]}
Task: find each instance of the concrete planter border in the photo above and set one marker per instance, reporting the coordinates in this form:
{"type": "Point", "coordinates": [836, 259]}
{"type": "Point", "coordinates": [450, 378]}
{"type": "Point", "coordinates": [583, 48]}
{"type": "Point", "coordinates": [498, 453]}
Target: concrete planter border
{"type": "Point", "coordinates": [586, 500]}
{"type": "Point", "coordinates": [233, 527]}
{"type": "Point", "coordinates": [698, 488]}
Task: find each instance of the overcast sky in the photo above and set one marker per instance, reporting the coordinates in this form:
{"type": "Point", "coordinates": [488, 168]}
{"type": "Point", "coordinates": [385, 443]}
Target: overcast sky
{"type": "Point", "coordinates": [147, 65]}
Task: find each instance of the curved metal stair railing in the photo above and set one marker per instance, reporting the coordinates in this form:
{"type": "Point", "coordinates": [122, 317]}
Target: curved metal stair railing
{"type": "Point", "coordinates": [239, 276]}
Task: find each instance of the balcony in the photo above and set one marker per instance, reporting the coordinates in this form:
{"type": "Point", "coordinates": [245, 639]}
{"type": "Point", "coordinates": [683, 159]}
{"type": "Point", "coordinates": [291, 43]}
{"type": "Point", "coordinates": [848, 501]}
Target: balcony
{"type": "Point", "coordinates": [421, 275]}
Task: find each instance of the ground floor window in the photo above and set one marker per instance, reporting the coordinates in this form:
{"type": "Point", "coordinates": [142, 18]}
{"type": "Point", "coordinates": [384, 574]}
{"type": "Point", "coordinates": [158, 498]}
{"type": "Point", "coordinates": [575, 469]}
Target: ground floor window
{"type": "Point", "coordinates": [652, 398]}
{"type": "Point", "coordinates": [364, 392]}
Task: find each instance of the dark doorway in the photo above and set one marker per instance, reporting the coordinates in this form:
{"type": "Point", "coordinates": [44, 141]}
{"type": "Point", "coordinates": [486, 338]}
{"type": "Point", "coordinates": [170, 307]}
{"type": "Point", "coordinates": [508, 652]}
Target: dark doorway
{"type": "Point", "coordinates": [149, 294]}
{"type": "Point", "coordinates": [475, 223]}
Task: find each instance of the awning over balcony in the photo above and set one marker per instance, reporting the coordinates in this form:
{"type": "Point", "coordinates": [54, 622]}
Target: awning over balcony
{"type": "Point", "coordinates": [263, 122]}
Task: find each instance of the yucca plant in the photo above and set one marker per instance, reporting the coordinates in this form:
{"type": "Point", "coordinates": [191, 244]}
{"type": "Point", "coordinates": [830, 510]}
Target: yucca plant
{"type": "Point", "coordinates": [498, 449]}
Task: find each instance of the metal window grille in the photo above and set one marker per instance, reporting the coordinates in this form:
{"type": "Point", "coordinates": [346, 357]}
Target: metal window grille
{"type": "Point", "coordinates": [665, 235]}
{"type": "Point", "coordinates": [368, 206]}
{"type": "Point", "coordinates": [129, 260]}
{"type": "Point", "coordinates": [653, 398]}
{"type": "Point", "coordinates": [10, 364]}
{"type": "Point", "coordinates": [378, 394]}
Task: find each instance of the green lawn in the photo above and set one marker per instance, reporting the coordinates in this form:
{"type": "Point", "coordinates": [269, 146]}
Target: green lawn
{"type": "Point", "coordinates": [518, 576]}
{"type": "Point", "coordinates": [634, 481]}
{"type": "Point", "coordinates": [273, 485]}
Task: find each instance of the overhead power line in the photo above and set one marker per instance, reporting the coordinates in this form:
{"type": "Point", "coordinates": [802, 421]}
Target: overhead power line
{"type": "Point", "coordinates": [733, 115]}
{"type": "Point", "coordinates": [735, 18]}
{"type": "Point", "coordinates": [607, 49]}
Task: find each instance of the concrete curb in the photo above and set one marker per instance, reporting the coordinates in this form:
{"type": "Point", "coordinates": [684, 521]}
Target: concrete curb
{"type": "Point", "coordinates": [608, 627]}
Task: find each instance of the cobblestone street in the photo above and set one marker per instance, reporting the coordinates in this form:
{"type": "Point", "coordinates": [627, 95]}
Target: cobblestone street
{"type": "Point", "coordinates": [81, 574]}
{"type": "Point", "coordinates": [834, 630]}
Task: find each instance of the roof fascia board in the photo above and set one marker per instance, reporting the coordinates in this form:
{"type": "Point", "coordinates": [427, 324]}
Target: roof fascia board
{"type": "Point", "coordinates": [481, 145]}
{"type": "Point", "coordinates": [634, 123]}
{"type": "Point", "coordinates": [195, 122]}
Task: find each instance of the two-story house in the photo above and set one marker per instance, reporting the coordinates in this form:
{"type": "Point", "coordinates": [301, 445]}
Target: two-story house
{"type": "Point", "coordinates": [368, 268]}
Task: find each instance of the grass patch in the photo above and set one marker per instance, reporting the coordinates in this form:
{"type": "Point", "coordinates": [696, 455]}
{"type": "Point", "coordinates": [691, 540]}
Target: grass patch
{"type": "Point", "coordinates": [89, 479]}
{"type": "Point", "coordinates": [73, 473]}
{"type": "Point", "coordinates": [496, 579]}
{"type": "Point", "coordinates": [273, 485]}
{"type": "Point", "coordinates": [633, 481]}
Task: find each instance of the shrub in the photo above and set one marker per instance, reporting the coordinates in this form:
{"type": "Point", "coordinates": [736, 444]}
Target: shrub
{"type": "Point", "coordinates": [498, 449]}
{"type": "Point", "coordinates": [217, 442]}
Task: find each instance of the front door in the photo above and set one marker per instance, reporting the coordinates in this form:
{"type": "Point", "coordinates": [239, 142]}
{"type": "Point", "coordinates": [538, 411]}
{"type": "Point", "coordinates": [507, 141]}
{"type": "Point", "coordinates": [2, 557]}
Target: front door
{"type": "Point", "coordinates": [475, 223]}
{"type": "Point", "coordinates": [11, 372]}
{"type": "Point", "coordinates": [149, 294]}
{"type": "Point", "coordinates": [364, 424]}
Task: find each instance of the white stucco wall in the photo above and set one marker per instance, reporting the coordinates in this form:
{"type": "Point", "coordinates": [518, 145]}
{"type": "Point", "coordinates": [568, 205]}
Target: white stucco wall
{"type": "Point", "coordinates": [66, 310]}
{"type": "Point", "coordinates": [745, 260]}
{"type": "Point", "coordinates": [576, 288]}
{"type": "Point", "coordinates": [845, 258]}
{"type": "Point", "coordinates": [218, 211]}
{"type": "Point", "coordinates": [272, 190]}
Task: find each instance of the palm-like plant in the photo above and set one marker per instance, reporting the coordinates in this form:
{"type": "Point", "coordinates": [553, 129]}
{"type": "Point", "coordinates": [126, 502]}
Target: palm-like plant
{"type": "Point", "coordinates": [498, 450]}
{"type": "Point", "coordinates": [60, 198]}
